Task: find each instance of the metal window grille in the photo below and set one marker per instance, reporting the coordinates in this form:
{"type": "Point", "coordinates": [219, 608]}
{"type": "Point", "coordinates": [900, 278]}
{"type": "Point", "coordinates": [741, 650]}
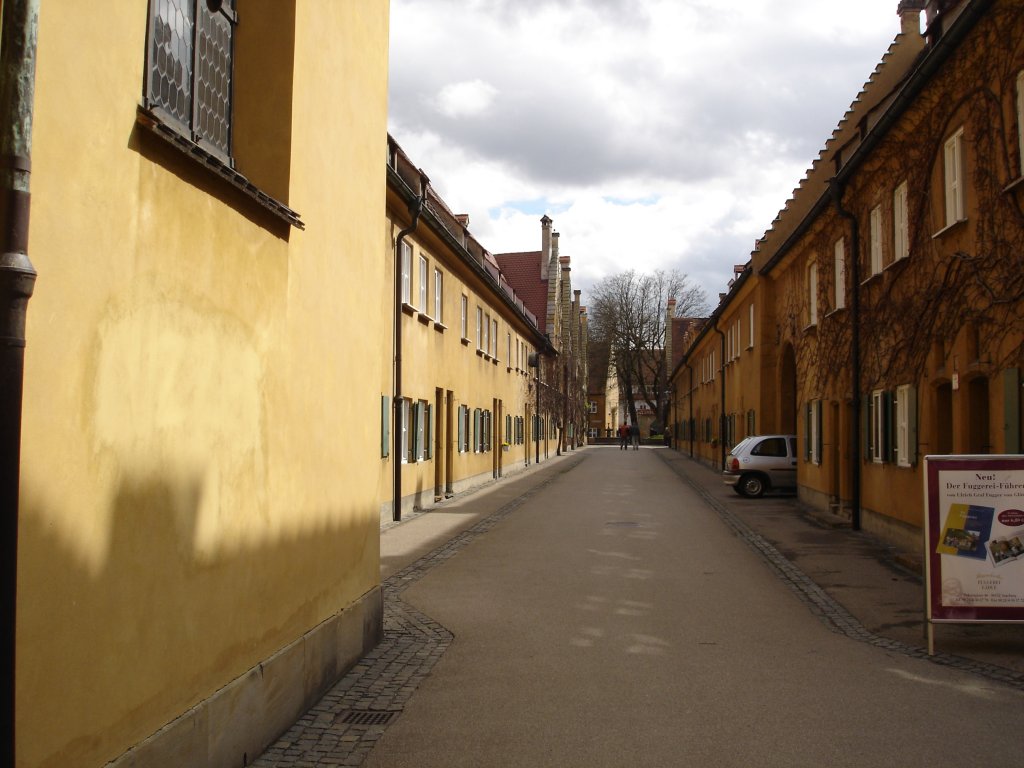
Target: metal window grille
{"type": "Point", "coordinates": [188, 68]}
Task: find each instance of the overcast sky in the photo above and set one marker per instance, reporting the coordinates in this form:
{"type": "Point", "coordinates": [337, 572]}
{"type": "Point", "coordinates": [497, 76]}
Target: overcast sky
{"type": "Point", "coordinates": [656, 133]}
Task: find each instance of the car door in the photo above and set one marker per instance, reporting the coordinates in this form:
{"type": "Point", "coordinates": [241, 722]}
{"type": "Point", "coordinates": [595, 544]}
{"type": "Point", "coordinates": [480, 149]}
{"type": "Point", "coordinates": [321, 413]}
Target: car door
{"type": "Point", "coordinates": [775, 460]}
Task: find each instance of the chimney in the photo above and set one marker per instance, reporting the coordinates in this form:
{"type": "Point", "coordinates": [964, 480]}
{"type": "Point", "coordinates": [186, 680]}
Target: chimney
{"type": "Point", "coordinates": [670, 313]}
{"type": "Point", "coordinates": [910, 16]}
{"type": "Point", "coordinates": [463, 219]}
{"type": "Point", "coordinates": [545, 246]}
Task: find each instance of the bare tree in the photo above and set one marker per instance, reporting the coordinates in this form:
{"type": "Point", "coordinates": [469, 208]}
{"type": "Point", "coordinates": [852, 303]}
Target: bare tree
{"type": "Point", "coordinates": [628, 314]}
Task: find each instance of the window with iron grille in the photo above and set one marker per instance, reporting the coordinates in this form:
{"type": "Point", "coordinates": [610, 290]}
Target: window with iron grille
{"type": "Point", "coordinates": [190, 44]}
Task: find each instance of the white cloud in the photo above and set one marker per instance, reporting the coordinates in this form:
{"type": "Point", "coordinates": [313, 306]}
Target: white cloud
{"type": "Point", "coordinates": [465, 99]}
{"type": "Point", "coordinates": [707, 113]}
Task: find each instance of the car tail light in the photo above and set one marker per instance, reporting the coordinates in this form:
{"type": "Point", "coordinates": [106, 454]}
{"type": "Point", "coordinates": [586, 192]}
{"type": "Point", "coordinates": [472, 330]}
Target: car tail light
{"type": "Point", "coordinates": [734, 465]}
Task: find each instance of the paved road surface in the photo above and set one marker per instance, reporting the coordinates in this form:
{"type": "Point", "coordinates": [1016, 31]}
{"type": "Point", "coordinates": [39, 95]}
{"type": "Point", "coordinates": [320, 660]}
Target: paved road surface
{"type": "Point", "coordinates": [614, 620]}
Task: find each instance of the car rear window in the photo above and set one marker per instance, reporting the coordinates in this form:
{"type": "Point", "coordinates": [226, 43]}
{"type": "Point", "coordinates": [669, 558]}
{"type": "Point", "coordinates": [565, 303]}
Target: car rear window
{"type": "Point", "coordinates": [771, 446]}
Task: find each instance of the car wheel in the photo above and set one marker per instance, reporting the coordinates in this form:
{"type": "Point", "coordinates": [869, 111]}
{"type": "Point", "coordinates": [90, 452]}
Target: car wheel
{"type": "Point", "coordinates": [751, 485]}
{"type": "Point", "coordinates": [739, 491]}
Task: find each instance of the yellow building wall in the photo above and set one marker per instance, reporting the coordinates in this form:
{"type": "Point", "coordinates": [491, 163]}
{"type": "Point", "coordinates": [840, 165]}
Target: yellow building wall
{"type": "Point", "coordinates": [194, 495]}
{"type": "Point", "coordinates": [434, 357]}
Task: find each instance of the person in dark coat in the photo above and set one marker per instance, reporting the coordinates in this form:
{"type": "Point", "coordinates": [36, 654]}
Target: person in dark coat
{"type": "Point", "coordinates": [623, 437]}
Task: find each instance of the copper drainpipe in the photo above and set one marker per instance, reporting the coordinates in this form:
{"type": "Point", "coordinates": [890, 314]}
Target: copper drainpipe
{"type": "Point", "coordinates": [17, 282]}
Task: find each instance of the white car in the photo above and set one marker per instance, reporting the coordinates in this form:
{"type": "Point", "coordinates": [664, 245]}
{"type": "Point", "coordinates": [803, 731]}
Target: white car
{"type": "Point", "coordinates": [760, 463]}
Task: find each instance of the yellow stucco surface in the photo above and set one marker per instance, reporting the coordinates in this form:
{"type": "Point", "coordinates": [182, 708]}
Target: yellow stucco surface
{"type": "Point", "coordinates": [194, 493]}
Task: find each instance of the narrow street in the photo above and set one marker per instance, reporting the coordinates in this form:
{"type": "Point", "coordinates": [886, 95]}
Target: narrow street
{"type": "Point", "coordinates": [612, 618]}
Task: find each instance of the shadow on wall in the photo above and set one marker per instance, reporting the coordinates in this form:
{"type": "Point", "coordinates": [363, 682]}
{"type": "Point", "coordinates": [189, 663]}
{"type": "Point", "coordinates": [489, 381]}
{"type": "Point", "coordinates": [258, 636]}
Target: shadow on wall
{"type": "Point", "coordinates": [108, 655]}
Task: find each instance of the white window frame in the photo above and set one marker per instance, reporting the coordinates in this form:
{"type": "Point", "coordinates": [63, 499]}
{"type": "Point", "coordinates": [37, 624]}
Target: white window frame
{"type": "Point", "coordinates": [438, 296]}
{"type": "Point", "coordinates": [840, 274]}
{"type": "Point", "coordinates": [479, 328]}
{"type": "Point", "coordinates": [406, 272]}
{"type": "Point", "coordinates": [905, 407]}
{"type": "Point", "coordinates": [953, 166]}
{"type": "Point", "coordinates": [812, 294]}
{"type": "Point", "coordinates": [900, 223]}
{"type": "Point", "coordinates": [813, 431]}
{"type": "Point", "coordinates": [750, 343]}
{"type": "Point", "coordinates": [421, 431]}
{"type": "Point", "coordinates": [487, 333]}
{"type": "Point", "coordinates": [876, 240]}
{"type": "Point", "coordinates": [494, 338]}
{"type": "Point", "coordinates": [424, 278]}
{"type": "Point", "coordinates": [465, 316]}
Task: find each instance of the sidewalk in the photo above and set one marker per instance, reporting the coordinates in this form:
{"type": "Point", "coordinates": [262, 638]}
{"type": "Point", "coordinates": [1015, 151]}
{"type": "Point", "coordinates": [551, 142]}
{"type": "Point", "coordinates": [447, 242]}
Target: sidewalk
{"type": "Point", "coordinates": [850, 581]}
{"type": "Point", "coordinates": [879, 588]}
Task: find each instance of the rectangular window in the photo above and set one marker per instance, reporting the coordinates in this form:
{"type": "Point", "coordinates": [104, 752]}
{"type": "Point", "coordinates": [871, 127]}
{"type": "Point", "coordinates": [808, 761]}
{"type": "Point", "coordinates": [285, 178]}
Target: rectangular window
{"type": "Point", "coordinates": [465, 317]}
{"type": "Point", "coordinates": [876, 240]}
{"type": "Point", "coordinates": [494, 338]}
{"type": "Point", "coordinates": [750, 343]}
{"type": "Point", "coordinates": [438, 296]}
{"type": "Point", "coordinates": [487, 333]}
{"type": "Point", "coordinates": [406, 272]}
{"type": "Point", "coordinates": [424, 271]}
{"type": "Point", "coordinates": [812, 432]}
{"type": "Point", "coordinates": [812, 294]}
{"type": "Point", "coordinates": [900, 219]}
{"type": "Point", "coordinates": [906, 425]}
{"type": "Point", "coordinates": [878, 413]}
{"type": "Point", "coordinates": [420, 423]}
{"type": "Point", "coordinates": [954, 177]}
{"type": "Point", "coordinates": [479, 328]}
{"type": "Point", "coordinates": [189, 55]}
{"type": "Point", "coordinates": [509, 350]}
{"type": "Point", "coordinates": [840, 275]}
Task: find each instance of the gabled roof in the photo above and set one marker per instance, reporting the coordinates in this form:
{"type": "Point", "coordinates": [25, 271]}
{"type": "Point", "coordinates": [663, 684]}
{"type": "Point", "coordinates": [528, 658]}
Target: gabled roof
{"type": "Point", "coordinates": [874, 97]}
{"type": "Point", "coordinates": [523, 272]}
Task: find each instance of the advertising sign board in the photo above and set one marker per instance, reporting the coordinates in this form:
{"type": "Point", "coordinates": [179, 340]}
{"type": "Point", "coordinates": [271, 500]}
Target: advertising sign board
{"type": "Point", "coordinates": [974, 538]}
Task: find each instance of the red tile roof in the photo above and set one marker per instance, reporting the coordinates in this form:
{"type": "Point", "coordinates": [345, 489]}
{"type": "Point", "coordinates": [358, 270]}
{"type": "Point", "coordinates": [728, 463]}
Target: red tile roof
{"type": "Point", "coordinates": [522, 270]}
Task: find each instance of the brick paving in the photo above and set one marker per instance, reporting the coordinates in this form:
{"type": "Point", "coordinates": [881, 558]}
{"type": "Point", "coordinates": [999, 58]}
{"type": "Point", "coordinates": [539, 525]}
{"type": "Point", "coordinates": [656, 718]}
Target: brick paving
{"type": "Point", "coordinates": [343, 728]}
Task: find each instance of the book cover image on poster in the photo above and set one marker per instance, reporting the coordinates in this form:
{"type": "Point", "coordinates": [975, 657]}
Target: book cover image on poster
{"type": "Point", "coordinates": [1006, 549]}
{"type": "Point", "coordinates": [966, 531]}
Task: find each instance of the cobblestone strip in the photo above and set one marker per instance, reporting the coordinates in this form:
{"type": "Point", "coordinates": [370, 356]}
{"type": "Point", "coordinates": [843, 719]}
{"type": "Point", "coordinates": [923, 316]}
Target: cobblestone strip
{"type": "Point", "coordinates": [831, 613]}
{"type": "Point", "coordinates": [345, 725]}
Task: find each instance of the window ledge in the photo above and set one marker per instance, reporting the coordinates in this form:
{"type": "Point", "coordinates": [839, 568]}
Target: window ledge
{"type": "Point", "coordinates": [440, 327]}
{"type": "Point", "coordinates": [836, 311]}
{"type": "Point", "coordinates": [811, 328]}
{"type": "Point", "coordinates": [896, 262]}
{"type": "Point", "coordinates": [151, 121]}
{"type": "Point", "coordinates": [1014, 184]}
{"type": "Point", "coordinates": [409, 309]}
{"type": "Point", "coordinates": [480, 352]}
{"type": "Point", "coordinates": [466, 342]}
{"type": "Point", "coordinates": [872, 278]}
{"type": "Point", "coordinates": [425, 319]}
{"type": "Point", "coordinates": [948, 227]}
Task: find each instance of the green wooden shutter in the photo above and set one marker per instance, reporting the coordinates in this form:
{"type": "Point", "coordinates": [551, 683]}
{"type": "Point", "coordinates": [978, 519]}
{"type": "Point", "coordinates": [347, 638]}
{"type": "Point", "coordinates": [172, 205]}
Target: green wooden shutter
{"type": "Point", "coordinates": [428, 428]}
{"type": "Point", "coordinates": [462, 427]}
{"type": "Point", "coordinates": [866, 426]}
{"type": "Point", "coordinates": [819, 437]}
{"type": "Point", "coordinates": [1011, 411]}
{"type": "Point", "coordinates": [808, 415]}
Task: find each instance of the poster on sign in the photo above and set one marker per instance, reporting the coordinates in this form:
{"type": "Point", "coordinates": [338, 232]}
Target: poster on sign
{"type": "Point", "coordinates": [974, 538]}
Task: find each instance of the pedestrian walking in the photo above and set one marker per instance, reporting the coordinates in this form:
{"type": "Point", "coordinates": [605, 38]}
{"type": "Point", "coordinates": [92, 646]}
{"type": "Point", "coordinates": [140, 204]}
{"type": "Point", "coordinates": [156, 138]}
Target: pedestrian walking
{"type": "Point", "coordinates": [624, 437]}
{"type": "Point", "coordinates": [634, 434]}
